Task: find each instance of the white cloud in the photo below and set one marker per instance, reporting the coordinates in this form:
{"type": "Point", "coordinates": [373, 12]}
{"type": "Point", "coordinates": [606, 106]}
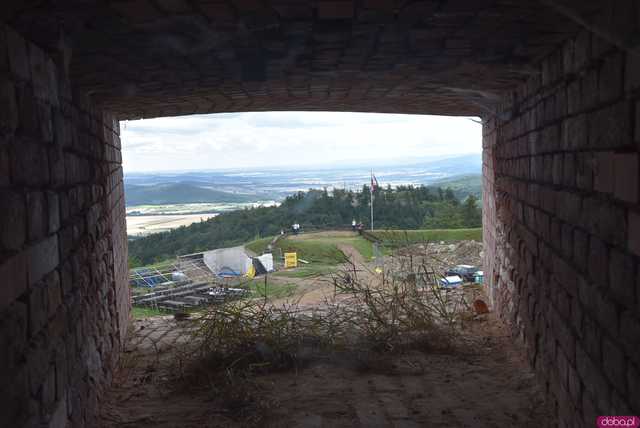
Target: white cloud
{"type": "Point", "coordinates": [239, 140]}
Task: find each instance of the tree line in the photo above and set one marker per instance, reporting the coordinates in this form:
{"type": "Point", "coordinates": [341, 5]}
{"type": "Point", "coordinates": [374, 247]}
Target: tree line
{"type": "Point", "coordinates": [401, 207]}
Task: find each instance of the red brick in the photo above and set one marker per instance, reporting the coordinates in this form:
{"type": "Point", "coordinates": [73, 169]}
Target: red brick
{"type": "Point", "coordinates": [627, 177]}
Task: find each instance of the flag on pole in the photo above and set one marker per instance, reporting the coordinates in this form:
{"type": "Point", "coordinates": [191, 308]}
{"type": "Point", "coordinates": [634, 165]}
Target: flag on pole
{"type": "Point", "coordinates": [374, 183]}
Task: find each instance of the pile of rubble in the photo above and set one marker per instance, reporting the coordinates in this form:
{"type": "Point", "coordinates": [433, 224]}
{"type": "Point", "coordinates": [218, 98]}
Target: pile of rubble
{"type": "Point", "coordinates": [442, 256]}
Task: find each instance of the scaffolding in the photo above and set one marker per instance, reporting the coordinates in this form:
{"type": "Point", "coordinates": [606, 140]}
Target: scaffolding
{"type": "Point", "coordinates": [178, 272]}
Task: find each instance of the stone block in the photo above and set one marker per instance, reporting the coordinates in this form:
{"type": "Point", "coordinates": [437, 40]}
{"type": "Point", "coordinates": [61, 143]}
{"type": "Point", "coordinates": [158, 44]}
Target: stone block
{"type": "Point", "coordinates": [582, 49]}
{"type": "Point", "coordinates": [39, 75]}
{"type": "Point", "coordinates": [53, 209]}
{"type": "Point", "coordinates": [566, 234]}
{"type": "Point", "coordinates": [54, 293]}
{"type": "Point", "coordinates": [598, 261]}
{"type": "Point", "coordinates": [614, 363]}
{"type": "Point", "coordinates": [29, 124]}
{"type": "Point", "coordinates": [604, 173]}
{"type": "Point", "coordinates": [610, 127]}
{"type": "Point", "coordinates": [4, 56]}
{"type": "Point", "coordinates": [604, 220]}
{"type": "Point", "coordinates": [45, 121]}
{"type": "Point", "coordinates": [574, 97]}
{"type": "Point", "coordinates": [632, 72]}
{"type": "Point", "coordinates": [56, 167]}
{"type": "Point", "coordinates": [37, 308]}
{"type": "Point", "coordinates": [610, 78]}
{"type": "Point", "coordinates": [593, 378]}
{"type": "Point", "coordinates": [14, 272]}
{"type": "Point", "coordinates": [37, 215]}
{"type": "Point", "coordinates": [9, 118]}
{"type": "Point", "coordinates": [622, 276]}
{"type": "Point", "coordinates": [580, 248]}
{"type": "Point", "coordinates": [633, 237]}
{"type": "Point", "coordinates": [627, 177]}
{"type": "Point", "coordinates": [18, 55]}
{"type": "Point", "coordinates": [606, 314]}
{"type": "Point", "coordinates": [43, 258]}
{"type": "Point", "coordinates": [5, 168]}
{"type": "Point", "coordinates": [557, 169]}
{"type": "Point", "coordinates": [630, 333]}
{"type": "Point", "coordinates": [633, 383]}
{"type": "Point", "coordinates": [592, 338]}
{"type": "Point", "coordinates": [585, 164]}
{"type": "Point", "coordinates": [569, 170]}
{"type": "Point", "coordinates": [30, 164]}
{"type": "Point", "coordinates": [13, 225]}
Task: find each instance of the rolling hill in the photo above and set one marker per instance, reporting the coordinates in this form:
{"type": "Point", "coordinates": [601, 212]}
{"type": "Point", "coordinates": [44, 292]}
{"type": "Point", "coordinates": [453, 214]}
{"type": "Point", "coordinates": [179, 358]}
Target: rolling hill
{"type": "Point", "coordinates": [179, 193]}
{"type": "Point", "coordinates": [462, 185]}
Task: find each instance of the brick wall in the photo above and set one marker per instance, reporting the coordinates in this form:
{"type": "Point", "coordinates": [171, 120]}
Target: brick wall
{"type": "Point", "coordinates": [63, 289]}
{"type": "Point", "coordinates": [562, 225]}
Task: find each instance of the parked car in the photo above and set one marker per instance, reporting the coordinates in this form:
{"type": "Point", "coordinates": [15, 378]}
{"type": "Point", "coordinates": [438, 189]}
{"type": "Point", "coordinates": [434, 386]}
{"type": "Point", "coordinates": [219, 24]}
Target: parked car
{"type": "Point", "coordinates": [466, 272]}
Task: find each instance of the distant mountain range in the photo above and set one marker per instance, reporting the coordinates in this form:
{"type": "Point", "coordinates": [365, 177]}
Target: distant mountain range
{"type": "Point", "coordinates": [178, 193]}
{"type": "Point", "coordinates": [460, 172]}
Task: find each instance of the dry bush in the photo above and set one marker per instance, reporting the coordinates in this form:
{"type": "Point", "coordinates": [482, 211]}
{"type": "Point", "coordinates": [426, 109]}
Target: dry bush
{"type": "Point", "coordinates": [371, 316]}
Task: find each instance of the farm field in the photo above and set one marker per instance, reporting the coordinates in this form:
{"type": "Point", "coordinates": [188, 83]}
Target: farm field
{"type": "Point", "coordinates": [142, 225]}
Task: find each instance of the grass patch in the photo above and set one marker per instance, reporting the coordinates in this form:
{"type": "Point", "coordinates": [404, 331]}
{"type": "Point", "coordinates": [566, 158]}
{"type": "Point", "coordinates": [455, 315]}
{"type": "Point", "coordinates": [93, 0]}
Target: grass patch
{"type": "Point", "coordinates": [315, 251]}
{"type": "Point", "coordinates": [307, 271]}
{"type": "Point", "coordinates": [409, 236]}
{"type": "Point", "coordinates": [138, 312]}
{"type": "Point", "coordinates": [259, 246]}
{"type": "Point", "coordinates": [273, 291]}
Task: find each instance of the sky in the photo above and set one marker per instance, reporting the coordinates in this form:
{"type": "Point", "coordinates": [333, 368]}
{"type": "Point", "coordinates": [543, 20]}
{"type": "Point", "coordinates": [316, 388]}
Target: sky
{"type": "Point", "coordinates": [286, 139]}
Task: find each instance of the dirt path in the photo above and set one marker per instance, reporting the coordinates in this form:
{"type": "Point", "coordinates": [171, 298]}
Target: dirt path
{"type": "Point", "coordinates": [352, 254]}
{"type": "Point", "coordinates": [485, 384]}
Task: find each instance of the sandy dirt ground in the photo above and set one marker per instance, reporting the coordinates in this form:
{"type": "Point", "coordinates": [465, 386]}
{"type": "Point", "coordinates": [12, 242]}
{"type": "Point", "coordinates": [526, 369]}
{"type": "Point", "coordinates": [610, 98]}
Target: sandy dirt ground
{"type": "Point", "coordinates": [484, 381]}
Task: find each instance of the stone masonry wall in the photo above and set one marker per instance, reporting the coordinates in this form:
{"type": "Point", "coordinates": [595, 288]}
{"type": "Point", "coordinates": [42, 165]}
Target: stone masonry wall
{"type": "Point", "coordinates": [562, 225]}
{"type": "Point", "coordinates": [63, 289]}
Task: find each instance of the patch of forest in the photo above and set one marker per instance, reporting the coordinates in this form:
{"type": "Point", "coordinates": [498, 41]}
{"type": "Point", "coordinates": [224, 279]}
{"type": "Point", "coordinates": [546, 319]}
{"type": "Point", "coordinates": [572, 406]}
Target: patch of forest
{"type": "Point", "coordinates": [402, 207]}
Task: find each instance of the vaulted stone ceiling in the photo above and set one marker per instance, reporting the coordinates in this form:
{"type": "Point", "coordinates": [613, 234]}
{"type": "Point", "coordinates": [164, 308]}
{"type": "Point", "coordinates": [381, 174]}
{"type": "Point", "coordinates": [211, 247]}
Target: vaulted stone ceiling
{"type": "Point", "coordinates": [147, 58]}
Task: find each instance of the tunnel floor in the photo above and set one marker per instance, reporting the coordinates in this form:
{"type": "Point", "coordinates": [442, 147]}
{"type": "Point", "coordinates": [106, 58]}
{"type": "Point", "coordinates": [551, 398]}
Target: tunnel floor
{"type": "Point", "coordinates": [484, 383]}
